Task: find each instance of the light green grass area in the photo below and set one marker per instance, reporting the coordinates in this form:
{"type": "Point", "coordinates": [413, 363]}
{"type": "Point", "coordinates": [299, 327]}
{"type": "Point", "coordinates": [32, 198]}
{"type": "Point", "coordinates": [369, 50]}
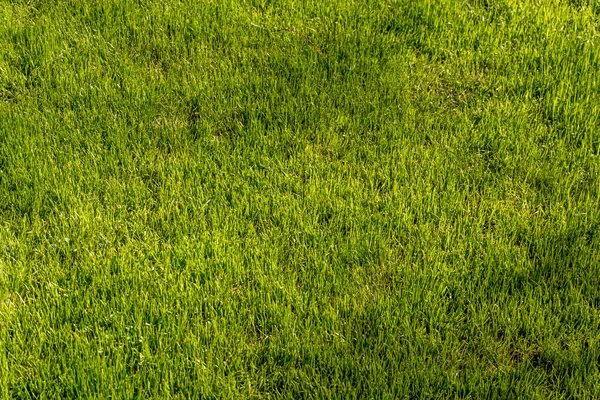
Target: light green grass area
{"type": "Point", "coordinates": [300, 199]}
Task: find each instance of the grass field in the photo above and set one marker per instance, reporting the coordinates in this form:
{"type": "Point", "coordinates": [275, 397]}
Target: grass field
{"type": "Point", "coordinates": [300, 199]}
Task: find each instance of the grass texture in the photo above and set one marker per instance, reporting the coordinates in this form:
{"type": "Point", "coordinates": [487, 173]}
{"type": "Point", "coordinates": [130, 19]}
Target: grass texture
{"type": "Point", "coordinates": [300, 199]}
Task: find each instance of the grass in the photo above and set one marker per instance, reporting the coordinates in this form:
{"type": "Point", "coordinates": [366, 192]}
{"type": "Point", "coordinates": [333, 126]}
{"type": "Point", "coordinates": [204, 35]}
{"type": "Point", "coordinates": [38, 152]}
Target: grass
{"type": "Point", "coordinates": [300, 199]}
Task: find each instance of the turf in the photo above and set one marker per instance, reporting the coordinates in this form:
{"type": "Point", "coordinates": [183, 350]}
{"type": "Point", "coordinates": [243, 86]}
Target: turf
{"type": "Point", "coordinates": [300, 199]}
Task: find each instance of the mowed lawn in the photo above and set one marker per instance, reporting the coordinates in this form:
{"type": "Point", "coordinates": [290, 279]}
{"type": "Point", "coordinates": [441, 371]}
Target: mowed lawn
{"type": "Point", "coordinates": [299, 199]}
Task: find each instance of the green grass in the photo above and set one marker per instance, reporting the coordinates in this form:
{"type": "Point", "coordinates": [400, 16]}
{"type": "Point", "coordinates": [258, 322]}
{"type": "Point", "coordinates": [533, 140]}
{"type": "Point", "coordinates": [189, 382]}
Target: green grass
{"type": "Point", "coordinates": [198, 203]}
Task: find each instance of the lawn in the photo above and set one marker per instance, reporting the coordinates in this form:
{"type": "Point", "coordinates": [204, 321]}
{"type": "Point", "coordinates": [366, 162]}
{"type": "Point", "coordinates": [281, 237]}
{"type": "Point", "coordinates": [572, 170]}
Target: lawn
{"type": "Point", "coordinates": [299, 199]}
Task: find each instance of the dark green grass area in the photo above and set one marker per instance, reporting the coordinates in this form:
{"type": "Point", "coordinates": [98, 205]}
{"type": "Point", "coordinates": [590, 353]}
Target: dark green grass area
{"type": "Point", "coordinates": [300, 199]}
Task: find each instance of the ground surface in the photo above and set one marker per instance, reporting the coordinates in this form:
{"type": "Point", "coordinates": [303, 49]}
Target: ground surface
{"type": "Point", "coordinates": [196, 200]}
